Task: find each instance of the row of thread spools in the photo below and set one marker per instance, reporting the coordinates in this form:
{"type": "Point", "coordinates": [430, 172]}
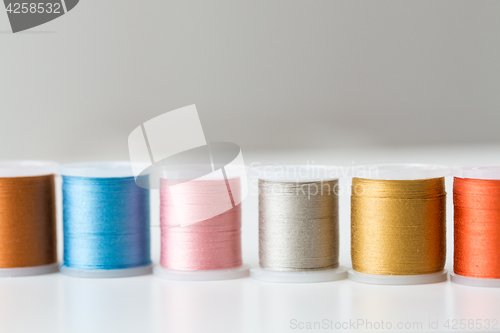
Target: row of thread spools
{"type": "Point", "coordinates": [398, 224]}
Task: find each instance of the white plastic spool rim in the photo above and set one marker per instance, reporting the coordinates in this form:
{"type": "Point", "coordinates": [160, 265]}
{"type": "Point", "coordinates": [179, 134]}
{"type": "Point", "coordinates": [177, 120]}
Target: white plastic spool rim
{"type": "Point", "coordinates": [28, 271]}
{"type": "Point", "coordinates": [327, 275]}
{"type": "Point", "coordinates": [474, 282]}
{"type": "Point", "coordinates": [106, 273]}
{"type": "Point", "coordinates": [477, 171]}
{"type": "Point", "coordinates": [192, 172]}
{"type": "Point", "coordinates": [105, 169]}
{"type": "Point", "coordinates": [400, 171]}
{"type": "Point", "coordinates": [16, 169]}
{"type": "Point", "coordinates": [398, 279]}
{"type": "Point", "coordinates": [206, 275]}
{"type": "Point", "coordinates": [298, 173]}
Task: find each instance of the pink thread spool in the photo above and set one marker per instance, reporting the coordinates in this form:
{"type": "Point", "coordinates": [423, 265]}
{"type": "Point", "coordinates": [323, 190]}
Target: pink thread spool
{"type": "Point", "coordinates": [201, 227]}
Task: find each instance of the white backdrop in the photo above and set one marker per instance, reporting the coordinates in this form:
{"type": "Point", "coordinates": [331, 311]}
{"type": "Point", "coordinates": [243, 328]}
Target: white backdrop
{"type": "Point", "coordinates": [281, 74]}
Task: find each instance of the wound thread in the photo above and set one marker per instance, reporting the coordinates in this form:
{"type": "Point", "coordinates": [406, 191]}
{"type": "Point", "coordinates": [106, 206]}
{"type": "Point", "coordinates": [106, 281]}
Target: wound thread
{"type": "Point", "coordinates": [398, 227]}
{"type": "Point", "coordinates": [298, 225]}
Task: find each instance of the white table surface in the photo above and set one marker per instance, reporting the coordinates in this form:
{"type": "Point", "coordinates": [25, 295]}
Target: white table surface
{"type": "Point", "coordinates": [56, 303]}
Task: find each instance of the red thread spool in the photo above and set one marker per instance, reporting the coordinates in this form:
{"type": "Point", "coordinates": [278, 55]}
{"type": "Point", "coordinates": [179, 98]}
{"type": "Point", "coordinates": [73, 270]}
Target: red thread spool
{"type": "Point", "coordinates": [476, 197]}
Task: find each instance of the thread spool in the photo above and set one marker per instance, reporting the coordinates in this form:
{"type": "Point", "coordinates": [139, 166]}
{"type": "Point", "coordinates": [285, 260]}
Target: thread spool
{"type": "Point", "coordinates": [476, 197]}
{"type": "Point", "coordinates": [106, 221]}
{"type": "Point", "coordinates": [201, 225]}
{"type": "Point", "coordinates": [298, 224]}
{"type": "Point", "coordinates": [28, 243]}
{"type": "Point", "coordinates": [398, 224]}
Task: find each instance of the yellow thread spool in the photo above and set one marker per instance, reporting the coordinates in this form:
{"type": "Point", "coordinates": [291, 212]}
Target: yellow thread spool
{"type": "Point", "coordinates": [398, 224]}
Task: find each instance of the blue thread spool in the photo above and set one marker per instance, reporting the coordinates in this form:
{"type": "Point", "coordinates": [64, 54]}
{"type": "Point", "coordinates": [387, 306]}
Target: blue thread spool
{"type": "Point", "coordinates": [106, 221]}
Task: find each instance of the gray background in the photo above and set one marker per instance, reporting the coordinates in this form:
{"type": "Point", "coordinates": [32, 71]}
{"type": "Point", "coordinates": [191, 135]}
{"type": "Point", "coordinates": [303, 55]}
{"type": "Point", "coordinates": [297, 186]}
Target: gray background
{"type": "Point", "coordinates": [285, 74]}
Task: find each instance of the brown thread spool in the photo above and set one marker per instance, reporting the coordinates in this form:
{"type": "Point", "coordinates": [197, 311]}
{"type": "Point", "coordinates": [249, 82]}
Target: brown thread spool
{"type": "Point", "coordinates": [27, 218]}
